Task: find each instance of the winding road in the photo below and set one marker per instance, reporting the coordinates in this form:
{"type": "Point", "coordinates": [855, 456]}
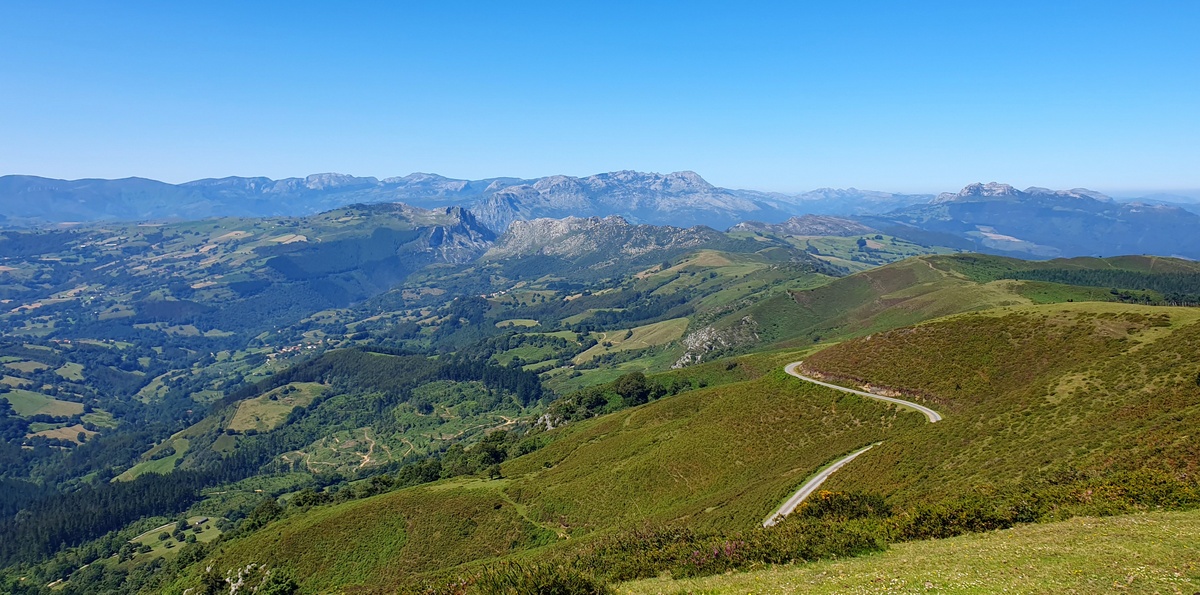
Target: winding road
{"type": "Point", "coordinates": [815, 482]}
{"type": "Point", "coordinates": [930, 414]}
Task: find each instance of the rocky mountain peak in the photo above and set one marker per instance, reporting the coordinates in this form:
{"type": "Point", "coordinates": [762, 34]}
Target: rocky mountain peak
{"type": "Point", "coordinates": [416, 178]}
{"type": "Point", "coordinates": [334, 180]}
{"type": "Point", "coordinates": [989, 189]}
{"type": "Point", "coordinates": [672, 183]}
{"type": "Point", "coordinates": [979, 190]}
{"type": "Point", "coordinates": [601, 240]}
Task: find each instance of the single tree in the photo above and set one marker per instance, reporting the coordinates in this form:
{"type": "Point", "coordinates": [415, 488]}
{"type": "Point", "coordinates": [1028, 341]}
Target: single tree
{"type": "Point", "coordinates": [633, 388]}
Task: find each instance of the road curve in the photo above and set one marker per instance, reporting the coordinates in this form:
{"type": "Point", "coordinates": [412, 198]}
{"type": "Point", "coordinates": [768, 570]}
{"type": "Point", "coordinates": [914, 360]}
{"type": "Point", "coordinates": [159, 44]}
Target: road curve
{"type": "Point", "coordinates": [811, 485]}
{"type": "Point", "coordinates": [931, 415]}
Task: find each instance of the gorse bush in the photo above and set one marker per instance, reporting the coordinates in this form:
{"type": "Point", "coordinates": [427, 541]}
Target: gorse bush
{"type": "Point", "coordinates": [513, 578]}
{"type": "Point", "coordinates": [518, 579]}
{"type": "Point", "coordinates": [843, 506]}
{"type": "Point", "coordinates": [650, 550]}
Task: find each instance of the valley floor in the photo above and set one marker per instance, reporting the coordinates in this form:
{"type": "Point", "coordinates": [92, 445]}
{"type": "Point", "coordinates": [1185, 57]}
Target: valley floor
{"type": "Point", "coordinates": [1144, 553]}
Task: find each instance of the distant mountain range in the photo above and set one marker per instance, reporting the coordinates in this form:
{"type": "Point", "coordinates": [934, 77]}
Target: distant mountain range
{"type": "Point", "coordinates": [680, 198]}
{"type": "Point", "coordinates": [997, 218]}
{"type": "Point", "coordinates": [1043, 223]}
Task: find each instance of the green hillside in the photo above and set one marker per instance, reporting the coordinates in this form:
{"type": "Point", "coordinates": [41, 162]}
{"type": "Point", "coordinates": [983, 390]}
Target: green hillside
{"type": "Point", "coordinates": [927, 287]}
{"type": "Point", "coordinates": [1056, 393]}
{"type": "Point", "coordinates": [1029, 380]}
{"type": "Point", "coordinates": [369, 545]}
{"type": "Point", "coordinates": [701, 458]}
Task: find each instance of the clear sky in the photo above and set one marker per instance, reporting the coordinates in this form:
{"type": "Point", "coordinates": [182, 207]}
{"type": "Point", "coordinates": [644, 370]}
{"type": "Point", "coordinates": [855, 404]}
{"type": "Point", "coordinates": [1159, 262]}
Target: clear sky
{"type": "Point", "coordinates": [903, 96]}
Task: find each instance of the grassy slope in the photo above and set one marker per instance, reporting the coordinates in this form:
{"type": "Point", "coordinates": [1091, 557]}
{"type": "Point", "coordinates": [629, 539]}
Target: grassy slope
{"type": "Point", "coordinates": [1147, 553]}
{"type": "Point", "coordinates": [161, 466]}
{"type": "Point", "coordinates": [1037, 389]}
{"type": "Point", "coordinates": [845, 252]}
{"type": "Point", "coordinates": [642, 337]}
{"type": "Point", "coordinates": [924, 288]}
{"type": "Point", "coordinates": [263, 413]}
{"type": "Point", "coordinates": [369, 544]}
{"type": "Point", "coordinates": [720, 457]}
{"type": "Point", "coordinates": [899, 294]}
{"type": "Point", "coordinates": [159, 547]}
{"type": "Point", "coordinates": [981, 266]}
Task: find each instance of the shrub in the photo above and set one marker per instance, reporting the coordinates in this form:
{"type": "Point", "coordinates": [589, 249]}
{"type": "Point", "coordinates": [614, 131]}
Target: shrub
{"type": "Point", "coordinates": [844, 506]}
{"type": "Point", "coordinates": [518, 579]}
{"type": "Point", "coordinates": [650, 550]}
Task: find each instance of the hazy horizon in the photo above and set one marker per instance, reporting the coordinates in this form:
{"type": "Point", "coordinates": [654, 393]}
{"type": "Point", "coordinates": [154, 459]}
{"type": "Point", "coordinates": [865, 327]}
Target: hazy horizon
{"type": "Point", "coordinates": [1118, 193]}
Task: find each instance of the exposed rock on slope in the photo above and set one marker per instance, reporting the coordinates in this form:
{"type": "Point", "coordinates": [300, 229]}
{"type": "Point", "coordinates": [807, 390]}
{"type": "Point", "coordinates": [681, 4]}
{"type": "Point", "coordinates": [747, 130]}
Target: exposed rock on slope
{"type": "Point", "coordinates": [606, 238]}
{"type": "Point", "coordinates": [680, 199]}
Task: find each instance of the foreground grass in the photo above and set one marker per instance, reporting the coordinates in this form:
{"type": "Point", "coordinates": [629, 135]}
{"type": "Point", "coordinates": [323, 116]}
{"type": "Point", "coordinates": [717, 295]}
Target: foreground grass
{"type": "Point", "coordinates": [1145, 553]}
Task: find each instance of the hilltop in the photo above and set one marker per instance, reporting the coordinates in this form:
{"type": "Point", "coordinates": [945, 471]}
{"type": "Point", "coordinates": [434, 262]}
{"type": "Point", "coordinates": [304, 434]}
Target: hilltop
{"type": "Point", "coordinates": [927, 287]}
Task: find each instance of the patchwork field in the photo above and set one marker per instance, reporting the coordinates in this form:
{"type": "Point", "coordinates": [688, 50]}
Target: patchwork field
{"type": "Point", "coordinates": [517, 322]}
{"type": "Point", "coordinates": [71, 371]}
{"type": "Point", "coordinates": [267, 411]}
{"type": "Point", "coordinates": [27, 366]}
{"type": "Point", "coordinates": [642, 337]}
{"type": "Point", "coordinates": [158, 463]}
{"type": "Point", "coordinates": [68, 433]}
{"type": "Point", "coordinates": [27, 403]}
{"type": "Point", "coordinates": [203, 528]}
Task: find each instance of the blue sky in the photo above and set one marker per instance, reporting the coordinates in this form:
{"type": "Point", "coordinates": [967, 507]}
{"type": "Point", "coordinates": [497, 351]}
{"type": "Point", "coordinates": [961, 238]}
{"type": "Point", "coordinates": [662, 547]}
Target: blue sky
{"type": "Point", "coordinates": [904, 96]}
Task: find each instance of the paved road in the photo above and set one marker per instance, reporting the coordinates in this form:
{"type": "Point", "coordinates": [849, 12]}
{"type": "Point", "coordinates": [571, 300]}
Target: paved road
{"type": "Point", "coordinates": [811, 485]}
{"type": "Point", "coordinates": [932, 415]}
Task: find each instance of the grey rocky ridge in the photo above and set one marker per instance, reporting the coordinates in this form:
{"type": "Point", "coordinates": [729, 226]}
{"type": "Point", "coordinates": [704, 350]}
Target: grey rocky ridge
{"type": "Point", "coordinates": [599, 243]}
{"type": "Point", "coordinates": [680, 198]}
